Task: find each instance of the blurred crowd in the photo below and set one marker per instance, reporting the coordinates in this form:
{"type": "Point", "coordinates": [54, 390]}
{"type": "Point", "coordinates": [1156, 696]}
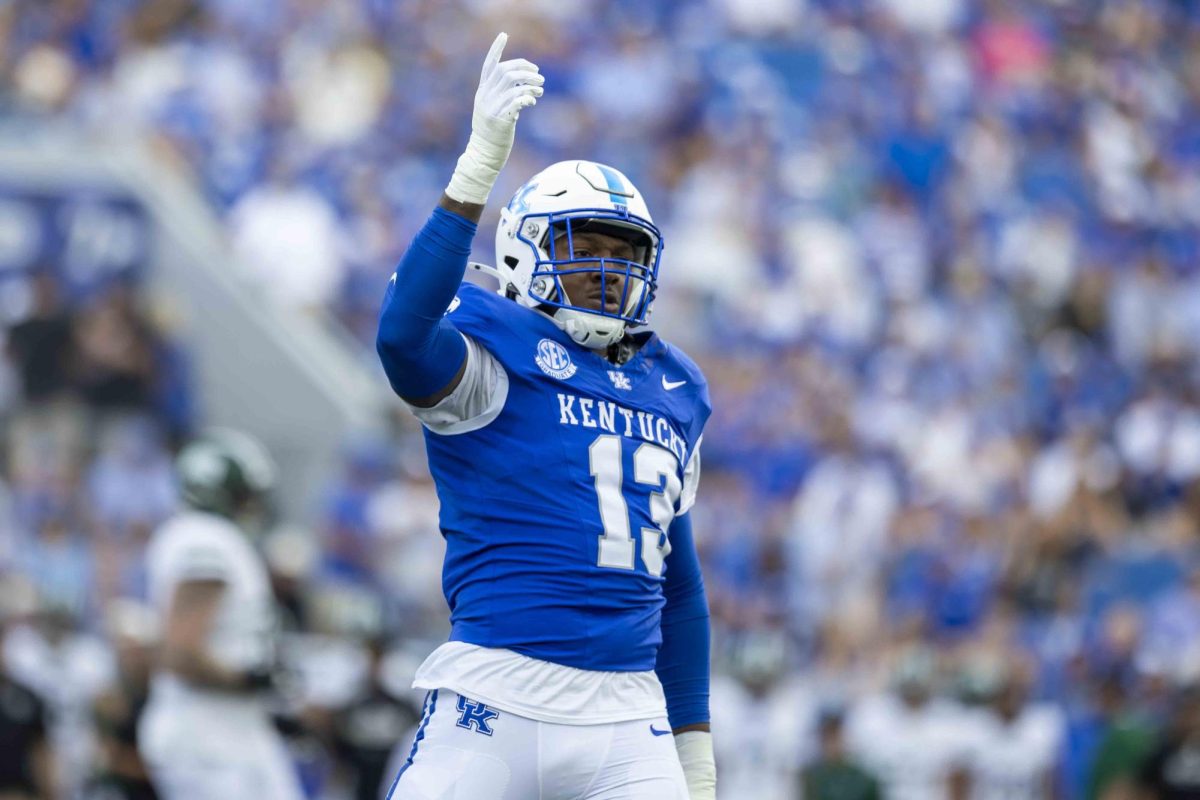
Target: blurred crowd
{"type": "Point", "coordinates": [939, 260]}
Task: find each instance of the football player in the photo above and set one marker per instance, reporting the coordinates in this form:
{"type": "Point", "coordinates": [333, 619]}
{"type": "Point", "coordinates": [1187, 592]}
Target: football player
{"type": "Point", "coordinates": [912, 740]}
{"type": "Point", "coordinates": [206, 732]}
{"type": "Point", "coordinates": [1013, 750]}
{"type": "Point", "coordinates": [564, 446]}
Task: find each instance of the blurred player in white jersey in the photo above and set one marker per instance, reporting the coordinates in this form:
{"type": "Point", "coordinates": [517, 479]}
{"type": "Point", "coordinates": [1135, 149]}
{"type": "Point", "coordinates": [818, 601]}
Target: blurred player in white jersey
{"type": "Point", "coordinates": [912, 741]}
{"type": "Point", "coordinates": [766, 718]}
{"type": "Point", "coordinates": [206, 733]}
{"type": "Point", "coordinates": [1015, 744]}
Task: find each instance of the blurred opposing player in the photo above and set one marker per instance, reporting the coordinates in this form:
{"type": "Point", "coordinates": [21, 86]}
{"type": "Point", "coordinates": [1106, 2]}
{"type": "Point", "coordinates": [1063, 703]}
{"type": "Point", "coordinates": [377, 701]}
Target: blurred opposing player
{"type": "Point", "coordinates": [206, 733]}
{"type": "Point", "coordinates": [914, 742]}
{"type": "Point", "coordinates": [1014, 747]}
{"type": "Point", "coordinates": [765, 717]}
{"type": "Point", "coordinates": [564, 447]}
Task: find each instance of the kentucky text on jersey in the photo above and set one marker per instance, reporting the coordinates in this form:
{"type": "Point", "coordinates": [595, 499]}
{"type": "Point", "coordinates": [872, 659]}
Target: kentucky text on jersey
{"type": "Point", "coordinates": [603, 415]}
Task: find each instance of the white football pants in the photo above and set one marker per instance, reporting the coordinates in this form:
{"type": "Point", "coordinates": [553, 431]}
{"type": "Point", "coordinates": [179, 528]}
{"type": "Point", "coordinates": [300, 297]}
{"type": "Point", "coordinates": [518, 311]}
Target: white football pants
{"type": "Point", "coordinates": [467, 751]}
{"type": "Point", "coordinates": [195, 752]}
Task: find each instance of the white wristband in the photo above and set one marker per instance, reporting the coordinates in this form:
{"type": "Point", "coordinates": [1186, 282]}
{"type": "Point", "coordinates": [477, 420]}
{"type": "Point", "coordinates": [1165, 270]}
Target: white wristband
{"type": "Point", "coordinates": [695, 749]}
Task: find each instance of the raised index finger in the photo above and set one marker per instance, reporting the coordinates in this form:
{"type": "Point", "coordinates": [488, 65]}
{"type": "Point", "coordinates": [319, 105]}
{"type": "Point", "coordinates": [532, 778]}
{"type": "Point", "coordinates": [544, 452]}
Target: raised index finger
{"type": "Point", "coordinates": [493, 56]}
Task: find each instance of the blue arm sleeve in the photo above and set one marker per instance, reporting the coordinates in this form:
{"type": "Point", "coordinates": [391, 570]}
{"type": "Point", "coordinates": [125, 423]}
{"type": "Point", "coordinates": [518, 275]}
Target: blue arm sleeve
{"type": "Point", "coordinates": [420, 349]}
{"type": "Point", "coordinates": [683, 659]}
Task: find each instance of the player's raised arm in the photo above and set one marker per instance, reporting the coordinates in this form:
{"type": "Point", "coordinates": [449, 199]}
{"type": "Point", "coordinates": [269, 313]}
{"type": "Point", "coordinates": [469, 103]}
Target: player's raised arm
{"type": "Point", "coordinates": [422, 353]}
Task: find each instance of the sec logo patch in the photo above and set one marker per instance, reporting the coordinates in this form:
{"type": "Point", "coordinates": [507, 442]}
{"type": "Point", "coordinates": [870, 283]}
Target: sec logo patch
{"type": "Point", "coordinates": [554, 359]}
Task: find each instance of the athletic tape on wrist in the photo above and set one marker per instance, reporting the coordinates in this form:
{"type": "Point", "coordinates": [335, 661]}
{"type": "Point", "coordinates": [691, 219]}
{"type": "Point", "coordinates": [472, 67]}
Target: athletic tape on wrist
{"type": "Point", "coordinates": [477, 169]}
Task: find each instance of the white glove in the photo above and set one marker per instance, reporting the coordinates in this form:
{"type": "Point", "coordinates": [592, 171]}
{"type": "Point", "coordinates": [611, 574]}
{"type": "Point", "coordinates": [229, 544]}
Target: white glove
{"type": "Point", "coordinates": [505, 87]}
{"type": "Point", "coordinates": [695, 750]}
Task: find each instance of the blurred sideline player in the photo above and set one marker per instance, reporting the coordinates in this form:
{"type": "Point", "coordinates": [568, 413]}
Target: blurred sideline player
{"type": "Point", "coordinates": [564, 449]}
{"type": "Point", "coordinates": [913, 741]}
{"type": "Point", "coordinates": [766, 717]}
{"type": "Point", "coordinates": [206, 733]}
{"type": "Point", "coordinates": [1015, 742]}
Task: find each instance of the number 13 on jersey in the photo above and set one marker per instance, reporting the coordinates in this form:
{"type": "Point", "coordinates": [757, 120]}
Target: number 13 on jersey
{"type": "Point", "coordinates": [652, 465]}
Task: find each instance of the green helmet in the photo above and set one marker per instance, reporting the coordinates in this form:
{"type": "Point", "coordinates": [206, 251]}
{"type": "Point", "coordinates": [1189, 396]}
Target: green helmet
{"type": "Point", "coordinates": [224, 471]}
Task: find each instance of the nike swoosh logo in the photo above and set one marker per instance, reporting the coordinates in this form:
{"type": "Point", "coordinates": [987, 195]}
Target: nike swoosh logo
{"type": "Point", "coordinates": [657, 732]}
{"type": "Point", "coordinates": [669, 385]}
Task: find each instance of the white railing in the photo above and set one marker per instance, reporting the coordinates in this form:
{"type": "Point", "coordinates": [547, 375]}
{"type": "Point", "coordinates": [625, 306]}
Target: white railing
{"type": "Point", "coordinates": [294, 379]}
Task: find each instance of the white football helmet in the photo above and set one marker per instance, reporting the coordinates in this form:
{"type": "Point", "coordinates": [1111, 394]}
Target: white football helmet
{"type": "Point", "coordinates": [567, 198]}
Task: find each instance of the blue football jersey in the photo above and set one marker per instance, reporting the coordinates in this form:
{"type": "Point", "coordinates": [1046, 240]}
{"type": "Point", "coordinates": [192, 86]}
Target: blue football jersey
{"type": "Point", "coordinates": [556, 512]}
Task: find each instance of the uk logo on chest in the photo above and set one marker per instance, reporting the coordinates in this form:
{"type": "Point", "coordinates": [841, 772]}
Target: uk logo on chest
{"type": "Point", "coordinates": [619, 380]}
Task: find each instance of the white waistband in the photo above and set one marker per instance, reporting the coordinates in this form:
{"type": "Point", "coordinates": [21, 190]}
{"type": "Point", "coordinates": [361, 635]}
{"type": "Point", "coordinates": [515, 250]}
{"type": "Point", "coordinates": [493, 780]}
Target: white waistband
{"type": "Point", "coordinates": [540, 690]}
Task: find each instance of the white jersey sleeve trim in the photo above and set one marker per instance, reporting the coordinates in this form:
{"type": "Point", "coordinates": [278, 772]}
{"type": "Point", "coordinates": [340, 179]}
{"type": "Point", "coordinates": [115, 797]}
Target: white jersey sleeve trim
{"type": "Point", "coordinates": [691, 481]}
{"type": "Point", "coordinates": [475, 402]}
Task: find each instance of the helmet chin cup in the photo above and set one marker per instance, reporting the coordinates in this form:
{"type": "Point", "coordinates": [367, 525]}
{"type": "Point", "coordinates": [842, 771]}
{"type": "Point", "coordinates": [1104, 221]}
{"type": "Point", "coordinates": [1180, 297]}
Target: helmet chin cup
{"type": "Point", "coordinates": [590, 330]}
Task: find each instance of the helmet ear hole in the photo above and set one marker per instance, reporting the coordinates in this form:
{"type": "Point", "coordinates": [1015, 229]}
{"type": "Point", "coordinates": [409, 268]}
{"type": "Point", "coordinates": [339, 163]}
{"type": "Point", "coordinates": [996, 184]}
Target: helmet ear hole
{"type": "Point", "coordinates": [512, 261]}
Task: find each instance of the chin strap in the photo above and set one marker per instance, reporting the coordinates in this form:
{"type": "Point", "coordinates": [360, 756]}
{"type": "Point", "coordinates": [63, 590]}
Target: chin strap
{"type": "Point", "coordinates": [507, 288]}
{"type": "Point", "coordinates": [486, 269]}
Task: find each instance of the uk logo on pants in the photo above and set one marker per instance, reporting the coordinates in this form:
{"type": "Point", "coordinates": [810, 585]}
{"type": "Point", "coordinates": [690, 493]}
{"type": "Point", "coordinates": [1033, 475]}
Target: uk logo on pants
{"type": "Point", "coordinates": [477, 715]}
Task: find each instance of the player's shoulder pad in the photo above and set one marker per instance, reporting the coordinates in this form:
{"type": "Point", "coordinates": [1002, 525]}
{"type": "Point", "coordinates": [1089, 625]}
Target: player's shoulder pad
{"type": "Point", "coordinates": [472, 297]}
{"type": "Point", "coordinates": [198, 526]}
{"type": "Point", "coordinates": [485, 315]}
{"type": "Point", "coordinates": [690, 369]}
{"type": "Point", "coordinates": [193, 538]}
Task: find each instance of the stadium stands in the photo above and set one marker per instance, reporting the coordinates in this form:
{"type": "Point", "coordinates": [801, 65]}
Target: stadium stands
{"type": "Point", "coordinates": [938, 260]}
